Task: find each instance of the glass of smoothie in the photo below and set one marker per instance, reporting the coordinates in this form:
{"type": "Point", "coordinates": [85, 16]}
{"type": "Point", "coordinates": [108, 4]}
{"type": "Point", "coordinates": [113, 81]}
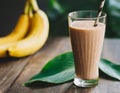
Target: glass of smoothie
{"type": "Point", "coordinates": [86, 41]}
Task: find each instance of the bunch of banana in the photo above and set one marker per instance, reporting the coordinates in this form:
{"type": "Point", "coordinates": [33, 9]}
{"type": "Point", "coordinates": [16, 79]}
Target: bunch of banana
{"type": "Point", "coordinates": [37, 34]}
{"type": "Point", "coordinates": [17, 34]}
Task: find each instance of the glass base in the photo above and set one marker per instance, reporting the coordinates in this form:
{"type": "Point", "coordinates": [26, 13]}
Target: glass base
{"type": "Point", "coordinates": [85, 83]}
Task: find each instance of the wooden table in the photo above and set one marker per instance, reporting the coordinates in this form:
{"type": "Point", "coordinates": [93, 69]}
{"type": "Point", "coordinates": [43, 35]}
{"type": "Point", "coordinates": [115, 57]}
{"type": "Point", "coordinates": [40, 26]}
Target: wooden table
{"type": "Point", "coordinates": [14, 72]}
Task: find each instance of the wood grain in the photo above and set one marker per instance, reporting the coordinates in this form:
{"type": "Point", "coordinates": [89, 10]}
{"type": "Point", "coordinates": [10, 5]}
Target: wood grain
{"type": "Point", "coordinates": [10, 68]}
{"type": "Point", "coordinates": [53, 47]}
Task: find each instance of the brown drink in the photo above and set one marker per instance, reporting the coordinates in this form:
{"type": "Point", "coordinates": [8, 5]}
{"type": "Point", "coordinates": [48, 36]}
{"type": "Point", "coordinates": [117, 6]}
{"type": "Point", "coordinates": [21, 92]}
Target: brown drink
{"type": "Point", "coordinates": [87, 42]}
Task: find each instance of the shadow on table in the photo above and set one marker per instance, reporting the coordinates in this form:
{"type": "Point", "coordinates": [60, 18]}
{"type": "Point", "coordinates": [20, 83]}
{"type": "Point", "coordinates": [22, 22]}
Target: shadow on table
{"type": "Point", "coordinates": [104, 76]}
{"type": "Point", "coordinates": [6, 59]}
{"type": "Point", "coordinates": [10, 59]}
{"type": "Point", "coordinates": [41, 84]}
{"type": "Point", "coordinates": [75, 89]}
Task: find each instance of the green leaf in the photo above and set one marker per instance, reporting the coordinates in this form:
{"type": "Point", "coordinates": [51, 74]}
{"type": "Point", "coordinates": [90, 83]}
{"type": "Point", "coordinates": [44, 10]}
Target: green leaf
{"type": "Point", "coordinates": [58, 70]}
{"type": "Point", "coordinates": [61, 69]}
{"type": "Point", "coordinates": [113, 18]}
{"type": "Point", "coordinates": [110, 68]}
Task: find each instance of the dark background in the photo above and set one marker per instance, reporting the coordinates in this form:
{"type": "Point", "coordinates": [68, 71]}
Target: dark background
{"type": "Point", "coordinates": [10, 10]}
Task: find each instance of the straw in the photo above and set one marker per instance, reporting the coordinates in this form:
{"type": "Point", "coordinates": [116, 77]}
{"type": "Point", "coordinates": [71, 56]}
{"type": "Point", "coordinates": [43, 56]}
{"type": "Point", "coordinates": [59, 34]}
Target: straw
{"type": "Point", "coordinates": [99, 12]}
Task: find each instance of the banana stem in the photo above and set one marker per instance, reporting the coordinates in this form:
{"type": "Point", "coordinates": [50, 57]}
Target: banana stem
{"type": "Point", "coordinates": [26, 9]}
{"type": "Point", "coordinates": [34, 5]}
{"type": "Point", "coordinates": [30, 11]}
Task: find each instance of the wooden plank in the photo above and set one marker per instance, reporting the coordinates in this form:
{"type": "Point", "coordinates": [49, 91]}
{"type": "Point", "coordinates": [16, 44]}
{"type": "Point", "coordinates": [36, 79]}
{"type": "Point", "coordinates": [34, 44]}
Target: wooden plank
{"type": "Point", "coordinates": [10, 68]}
{"type": "Point", "coordinates": [111, 50]}
{"type": "Point", "coordinates": [54, 47]}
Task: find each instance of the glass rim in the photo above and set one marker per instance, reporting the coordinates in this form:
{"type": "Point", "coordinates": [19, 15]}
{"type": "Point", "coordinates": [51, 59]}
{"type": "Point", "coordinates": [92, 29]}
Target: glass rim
{"type": "Point", "coordinates": [102, 16]}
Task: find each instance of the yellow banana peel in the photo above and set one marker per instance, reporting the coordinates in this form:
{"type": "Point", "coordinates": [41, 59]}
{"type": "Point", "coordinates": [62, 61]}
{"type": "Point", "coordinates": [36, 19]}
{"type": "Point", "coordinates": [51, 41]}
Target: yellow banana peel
{"type": "Point", "coordinates": [21, 42]}
{"type": "Point", "coordinates": [3, 50]}
{"type": "Point", "coordinates": [18, 33]}
{"type": "Point", "coordinates": [35, 40]}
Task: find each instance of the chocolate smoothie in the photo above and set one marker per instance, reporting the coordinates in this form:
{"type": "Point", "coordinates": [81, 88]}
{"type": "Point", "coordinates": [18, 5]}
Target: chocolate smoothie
{"type": "Point", "coordinates": [87, 42]}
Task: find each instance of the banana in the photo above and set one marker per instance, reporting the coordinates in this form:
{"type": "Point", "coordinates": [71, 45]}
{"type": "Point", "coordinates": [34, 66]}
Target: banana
{"type": "Point", "coordinates": [18, 33]}
{"type": "Point", "coordinates": [36, 38]}
{"type": "Point", "coordinates": [3, 50]}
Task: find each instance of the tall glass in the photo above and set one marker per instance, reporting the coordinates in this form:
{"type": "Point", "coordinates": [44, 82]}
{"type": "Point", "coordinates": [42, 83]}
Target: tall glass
{"type": "Point", "coordinates": [87, 41]}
